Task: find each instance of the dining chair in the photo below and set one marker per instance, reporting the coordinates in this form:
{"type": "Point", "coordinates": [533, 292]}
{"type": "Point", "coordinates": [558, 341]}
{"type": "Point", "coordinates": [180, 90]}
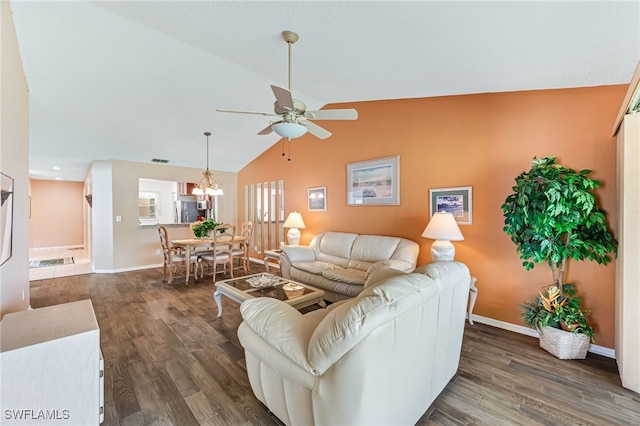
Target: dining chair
{"type": "Point", "coordinates": [222, 249]}
{"type": "Point", "coordinates": [241, 250]}
{"type": "Point", "coordinates": [173, 257]}
{"type": "Point", "coordinates": [200, 249]}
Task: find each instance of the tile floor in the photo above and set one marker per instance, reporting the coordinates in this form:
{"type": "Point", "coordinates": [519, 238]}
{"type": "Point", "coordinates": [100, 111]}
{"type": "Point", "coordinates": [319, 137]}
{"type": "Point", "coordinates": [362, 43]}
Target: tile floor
{"type": "Point", "coordinates": [80, 265]}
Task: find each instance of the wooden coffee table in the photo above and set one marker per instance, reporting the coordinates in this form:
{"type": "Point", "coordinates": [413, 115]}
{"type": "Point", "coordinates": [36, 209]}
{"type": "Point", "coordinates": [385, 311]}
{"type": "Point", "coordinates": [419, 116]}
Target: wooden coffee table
{"type": "Point", "coordinates": [239, 289]}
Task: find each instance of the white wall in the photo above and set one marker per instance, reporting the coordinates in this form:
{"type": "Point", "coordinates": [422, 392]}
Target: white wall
{"type": "Point", "coordinates": [14, 162]}
{"type": "Point", "coordinates": [125, 245]}
{"type": "Point", "coordinates": [101, 189]}
{"type": "Point", "coordinates": [627, 265]}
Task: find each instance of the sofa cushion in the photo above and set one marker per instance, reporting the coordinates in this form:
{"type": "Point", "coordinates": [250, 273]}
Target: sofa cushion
{"type": "Point", "coordinates": [371, 248]}
{"type": "Point", "coordinates": [381, 264]}
{"type": "Point", "coordinates": [336, 244]}
{"type": "Point", "coordinates": [315, 267]}
{"type": "Point", "coordinates": [351, 276]}
{"type": "Point", "coordinates": [380, 273]}
{"type": "Point", "coordinates": [342, 262]}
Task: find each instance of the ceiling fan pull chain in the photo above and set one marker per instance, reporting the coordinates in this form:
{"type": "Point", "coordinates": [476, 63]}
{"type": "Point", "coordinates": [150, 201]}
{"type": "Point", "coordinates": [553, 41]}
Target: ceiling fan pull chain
{"type": "Point", "coordinates": [283, 147]}
{"type": "Point", "coordinates": [289, 159]}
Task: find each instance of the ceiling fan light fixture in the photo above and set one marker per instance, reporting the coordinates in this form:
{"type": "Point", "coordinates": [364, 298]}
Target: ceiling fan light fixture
{"type": "Point", "coordinates": [289, 130]}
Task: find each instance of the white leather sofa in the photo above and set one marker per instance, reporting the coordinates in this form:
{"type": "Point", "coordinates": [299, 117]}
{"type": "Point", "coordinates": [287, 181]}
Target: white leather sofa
{"type": "Point", "coordinates": [337, 262]}
{"type": "Point", "coordinates": [380, 358]}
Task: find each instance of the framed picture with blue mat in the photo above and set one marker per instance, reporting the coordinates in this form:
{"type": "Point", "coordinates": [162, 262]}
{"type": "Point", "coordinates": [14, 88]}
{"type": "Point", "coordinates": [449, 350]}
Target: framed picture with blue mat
{"type": "Point", "coordinates": [458, 201]}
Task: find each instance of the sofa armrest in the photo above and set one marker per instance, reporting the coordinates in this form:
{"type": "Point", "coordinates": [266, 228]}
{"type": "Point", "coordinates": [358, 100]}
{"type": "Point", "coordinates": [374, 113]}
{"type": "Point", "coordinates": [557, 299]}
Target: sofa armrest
{"type": "Point", "coordinates": [290, 254]}
{"type": "Point", "coordinates": [281, 327]}
{"type": "Point", "coordinates": [299, 253]}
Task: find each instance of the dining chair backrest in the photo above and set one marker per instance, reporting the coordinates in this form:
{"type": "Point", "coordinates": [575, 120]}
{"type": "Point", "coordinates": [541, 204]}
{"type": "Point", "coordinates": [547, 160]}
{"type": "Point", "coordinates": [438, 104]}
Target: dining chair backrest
{"type": "Point", "coordinates": [247, 230]}
{"type": "Point", "coordinates": [223, 235]}
{"type": "Point", "coordinates": [241, 250]}
{"type": "Point", "coordinates": [165, 243]}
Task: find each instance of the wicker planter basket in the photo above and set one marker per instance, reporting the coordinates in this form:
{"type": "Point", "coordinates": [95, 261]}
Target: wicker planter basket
{"type": "Point", "coordinates": [564, 344]}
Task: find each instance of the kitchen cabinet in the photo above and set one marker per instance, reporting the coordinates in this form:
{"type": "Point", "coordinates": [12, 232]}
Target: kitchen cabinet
{"type": "Point", "coordinates": [185, 188]}
{"type": "Point", "coordinates": [147, 208]}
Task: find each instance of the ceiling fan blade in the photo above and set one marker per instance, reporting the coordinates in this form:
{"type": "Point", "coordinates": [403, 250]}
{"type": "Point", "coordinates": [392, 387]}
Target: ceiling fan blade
{"type": "Point", "coordinates": [283, 96]}
{"type": "Point", "coordinates": [315, 130]}
{"type": "Point", "coordinates": [268, 114]}
{"type": "Point", "coordinates": [268, 129]}
{"type": "Point", "coordinates": [332, 114]}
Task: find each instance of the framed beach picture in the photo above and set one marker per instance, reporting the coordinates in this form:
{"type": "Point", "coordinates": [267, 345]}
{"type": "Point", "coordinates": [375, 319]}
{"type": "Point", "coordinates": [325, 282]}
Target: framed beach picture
{"type": "Point", "coordinates": [317, 198]}
{"type": "Point", "coordinates": [374, 182]}
{"type": "Point", "coordinates": [457, 201]}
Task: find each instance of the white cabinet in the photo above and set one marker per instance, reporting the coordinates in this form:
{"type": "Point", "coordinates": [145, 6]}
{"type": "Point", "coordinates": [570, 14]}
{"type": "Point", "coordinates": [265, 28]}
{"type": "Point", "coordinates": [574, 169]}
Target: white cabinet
{"type": "Point", "coordinates": [51, 368]}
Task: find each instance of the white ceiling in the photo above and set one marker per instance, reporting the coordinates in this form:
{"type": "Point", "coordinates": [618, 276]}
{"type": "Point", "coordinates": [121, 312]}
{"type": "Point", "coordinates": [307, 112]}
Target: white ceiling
{"type": "Point", "coordinates": [139, 80]}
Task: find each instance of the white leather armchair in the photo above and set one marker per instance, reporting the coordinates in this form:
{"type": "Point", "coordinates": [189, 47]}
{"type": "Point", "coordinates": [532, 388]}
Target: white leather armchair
{"type": "Point", "coordinates": [379, 358]}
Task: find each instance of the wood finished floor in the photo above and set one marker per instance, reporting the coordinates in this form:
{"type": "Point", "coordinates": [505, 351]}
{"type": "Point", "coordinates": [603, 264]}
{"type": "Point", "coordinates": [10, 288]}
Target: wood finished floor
{"type": "Point", "coordinates": [170, 361]}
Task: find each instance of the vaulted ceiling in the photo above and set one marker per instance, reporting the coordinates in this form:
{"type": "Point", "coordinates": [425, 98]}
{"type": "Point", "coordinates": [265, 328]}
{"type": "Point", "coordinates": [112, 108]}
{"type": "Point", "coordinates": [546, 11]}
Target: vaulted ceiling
{"type": "Point", "coordinates": [139, 80]}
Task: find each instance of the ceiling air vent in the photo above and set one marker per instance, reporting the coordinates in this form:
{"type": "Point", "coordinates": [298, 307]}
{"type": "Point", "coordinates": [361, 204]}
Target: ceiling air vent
{"type": "Point", "coordinates": [159, 160]}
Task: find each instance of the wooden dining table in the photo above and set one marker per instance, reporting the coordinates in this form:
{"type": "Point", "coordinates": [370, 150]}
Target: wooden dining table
{"type": "Point", "coordinates": [190, 243]}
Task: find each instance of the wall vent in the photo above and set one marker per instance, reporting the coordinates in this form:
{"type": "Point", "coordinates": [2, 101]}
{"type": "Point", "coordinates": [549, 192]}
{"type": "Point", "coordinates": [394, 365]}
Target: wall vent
{"type": "Point", "coordinates": [159, 160]}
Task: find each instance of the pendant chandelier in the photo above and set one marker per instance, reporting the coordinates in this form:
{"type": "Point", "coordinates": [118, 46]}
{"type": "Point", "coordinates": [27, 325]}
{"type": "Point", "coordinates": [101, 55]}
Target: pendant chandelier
{"type": "Point", "coordinates": [207, 185]}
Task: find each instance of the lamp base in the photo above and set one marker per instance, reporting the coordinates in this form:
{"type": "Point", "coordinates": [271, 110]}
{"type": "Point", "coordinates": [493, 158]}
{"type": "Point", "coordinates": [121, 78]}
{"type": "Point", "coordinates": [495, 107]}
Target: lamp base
{"type": "Point", "coordinates": [442, 250]}
{"type": "Point", "coordinates": [293, 236]}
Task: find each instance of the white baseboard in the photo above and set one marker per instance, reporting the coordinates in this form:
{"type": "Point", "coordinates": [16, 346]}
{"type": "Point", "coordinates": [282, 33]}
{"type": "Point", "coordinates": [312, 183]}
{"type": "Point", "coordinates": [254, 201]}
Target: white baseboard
{"type": "Point", "coordinates": [596, 349]}
{"type": "Point", "coordinates": [133, 268]}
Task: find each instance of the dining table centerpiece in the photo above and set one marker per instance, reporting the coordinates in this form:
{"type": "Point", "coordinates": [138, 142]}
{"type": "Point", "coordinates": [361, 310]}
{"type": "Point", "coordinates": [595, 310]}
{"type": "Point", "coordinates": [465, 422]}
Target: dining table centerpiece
{"type": "Point", "coordinates": [202, 228]}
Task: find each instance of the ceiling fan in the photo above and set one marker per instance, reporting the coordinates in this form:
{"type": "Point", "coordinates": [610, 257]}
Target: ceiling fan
{"type": "Point", "coordinates": [295, 119]}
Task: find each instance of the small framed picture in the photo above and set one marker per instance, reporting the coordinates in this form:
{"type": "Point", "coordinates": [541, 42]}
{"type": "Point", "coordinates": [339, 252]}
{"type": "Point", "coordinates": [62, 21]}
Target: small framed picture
{"type": "Point", "coordinates": [374, 182]}
{"type": "Point", "coordinates": [317, 198]}
{"type": "Point", "coordinates": [457, 201]}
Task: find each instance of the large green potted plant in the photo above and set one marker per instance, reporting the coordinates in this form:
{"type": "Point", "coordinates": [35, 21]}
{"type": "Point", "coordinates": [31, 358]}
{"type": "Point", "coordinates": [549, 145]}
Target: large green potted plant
{"type": "Point", "coordinates": [552, 216]}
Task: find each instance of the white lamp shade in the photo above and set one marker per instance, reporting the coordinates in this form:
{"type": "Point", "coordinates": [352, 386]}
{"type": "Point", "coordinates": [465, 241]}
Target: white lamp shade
{"type": "Point", "coordinates": [294, 220]}
{"type": "Point", "coordinates": [443, 226]}
{"type": "Point", "coordinates": [209, 191]}
{"type": "Point", "coordinates": [289, 130]}
{"type": "Point", "coordinates": [214, 191]}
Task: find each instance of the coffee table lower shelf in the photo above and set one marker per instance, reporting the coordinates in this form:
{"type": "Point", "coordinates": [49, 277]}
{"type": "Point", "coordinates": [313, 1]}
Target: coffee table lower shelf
{"type": "Point", "coordinates": [239, 289]}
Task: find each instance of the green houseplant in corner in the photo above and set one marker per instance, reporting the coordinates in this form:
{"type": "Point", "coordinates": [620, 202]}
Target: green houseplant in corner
{"type": "Point", "coordinates": [552, 216]}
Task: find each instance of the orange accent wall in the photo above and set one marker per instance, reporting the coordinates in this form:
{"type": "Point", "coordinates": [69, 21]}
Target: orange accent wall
{"type": "Point", "coordinates": [481, 140]}
{"type": "Point", "coordinates": [56, 213]}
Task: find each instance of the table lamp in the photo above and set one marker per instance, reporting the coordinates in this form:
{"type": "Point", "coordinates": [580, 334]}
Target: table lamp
{"type": "Point", "coordinates": [443, 229]}
{"type": "Point", "coordinates": [293, 222]}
